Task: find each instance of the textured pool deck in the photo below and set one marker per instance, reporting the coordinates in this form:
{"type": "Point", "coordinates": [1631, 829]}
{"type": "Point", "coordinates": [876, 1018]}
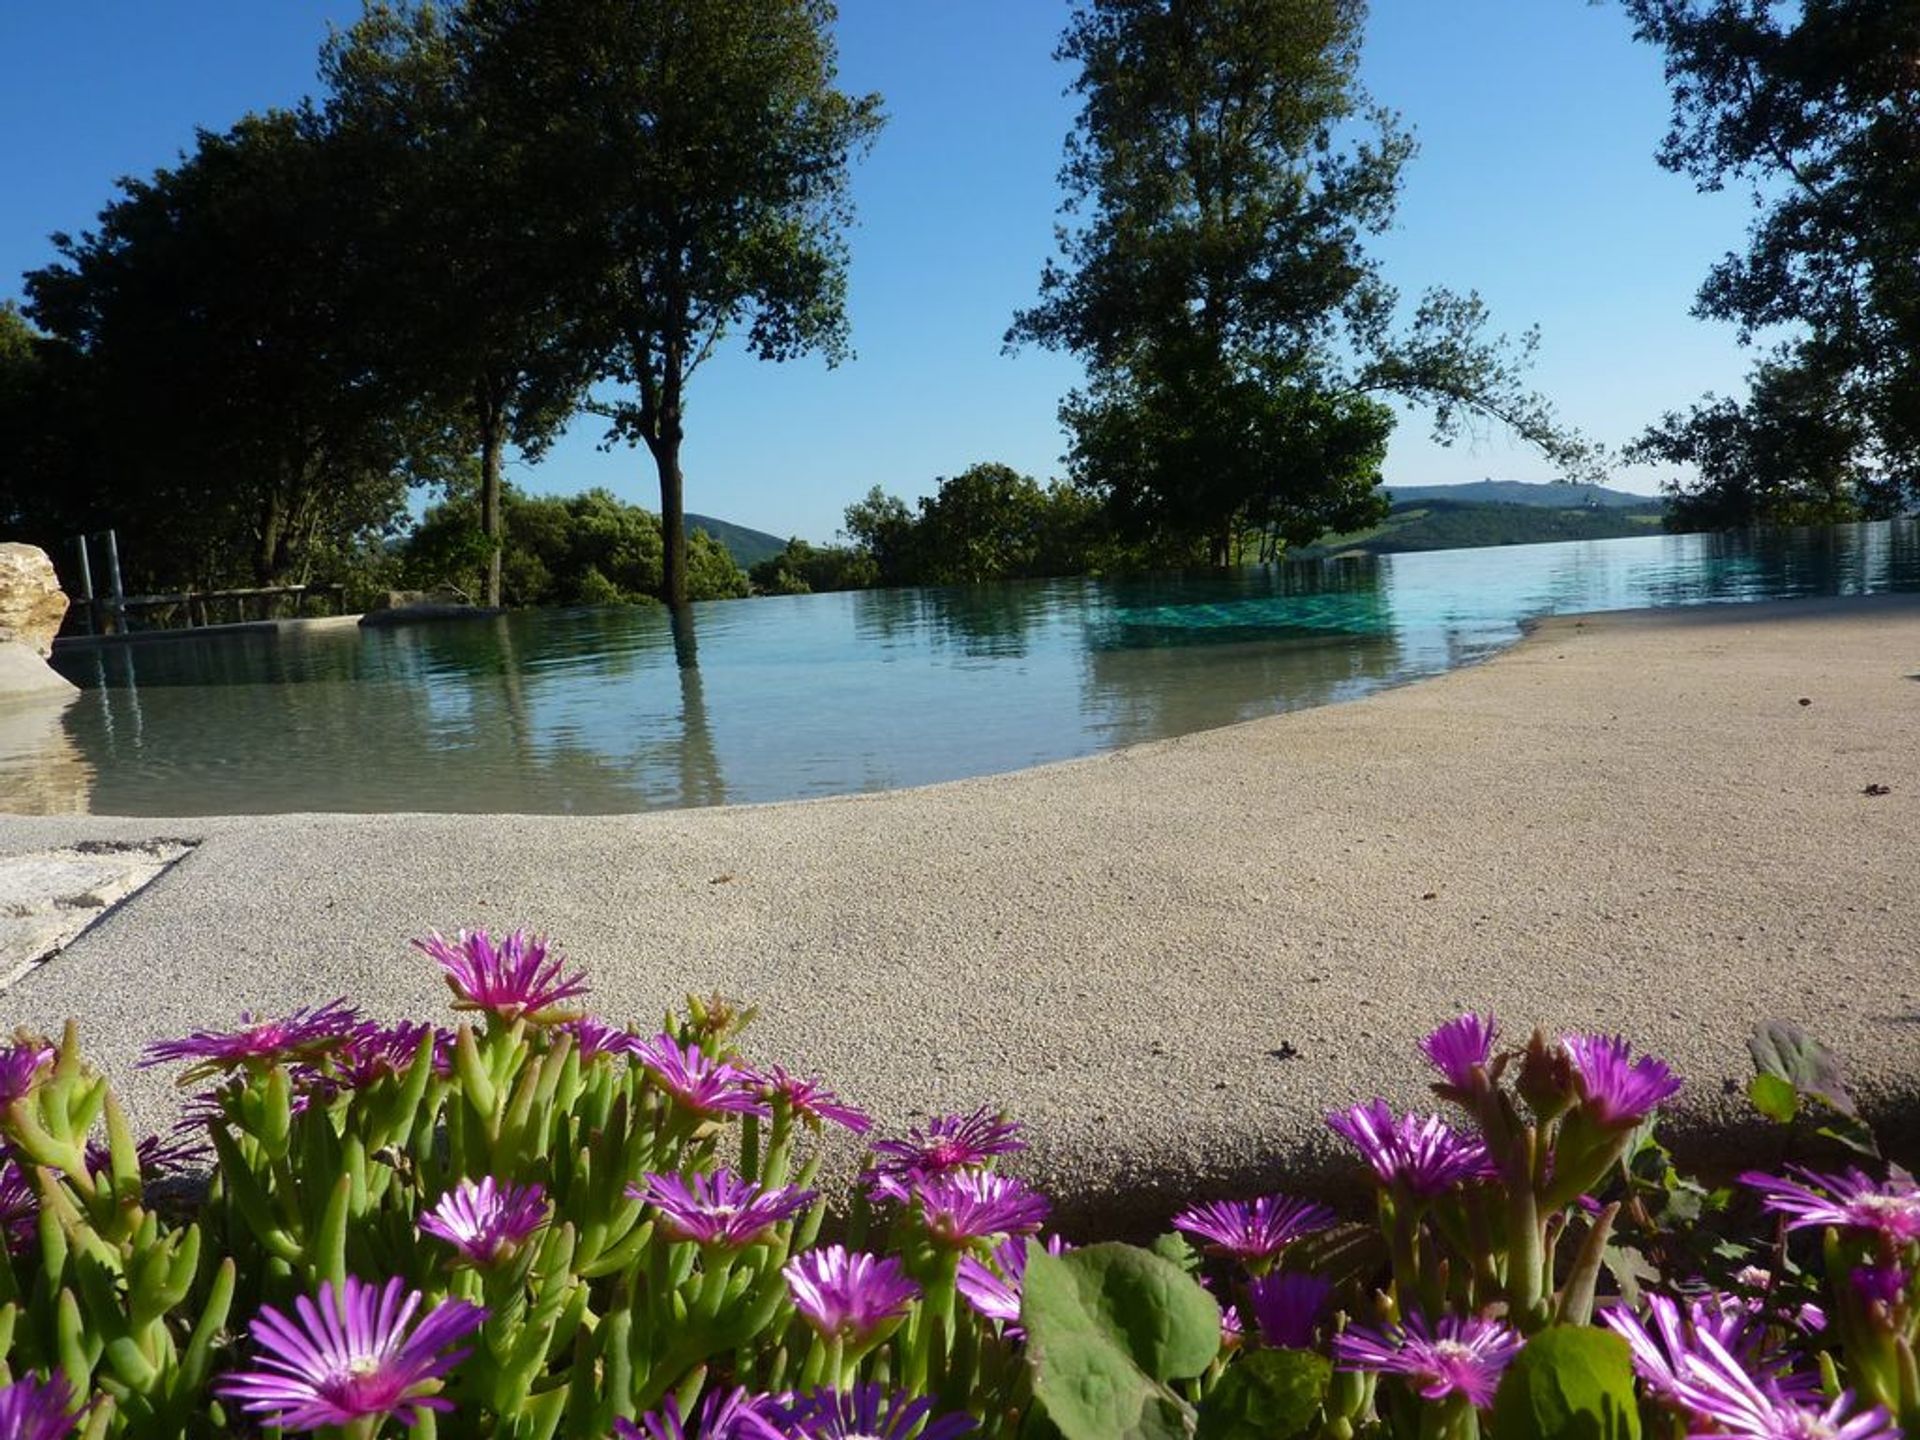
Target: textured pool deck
{"type": "Point", "coordinates": [1171, 960]}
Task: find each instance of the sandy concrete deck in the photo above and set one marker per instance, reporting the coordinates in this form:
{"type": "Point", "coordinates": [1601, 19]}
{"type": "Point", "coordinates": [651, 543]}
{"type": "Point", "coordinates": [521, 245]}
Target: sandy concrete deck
{"type": "Point", "coordinates": [1631, 821]}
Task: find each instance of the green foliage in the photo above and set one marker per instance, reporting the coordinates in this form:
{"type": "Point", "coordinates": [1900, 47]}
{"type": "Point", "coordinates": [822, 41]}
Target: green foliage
{"type": "Point", "coordinates": [1109, 1327]}
{"type": "Point", "coordinates": [802, 568]}
{"type": "Point", "coordinates": [1225, 171]}
{"type": "Point", "coordinates": [1267, 1395]}
{"type": "Point", "coordinates": [1569, 1383]}
{"type": "Point", "coordinates": [1811, 107]}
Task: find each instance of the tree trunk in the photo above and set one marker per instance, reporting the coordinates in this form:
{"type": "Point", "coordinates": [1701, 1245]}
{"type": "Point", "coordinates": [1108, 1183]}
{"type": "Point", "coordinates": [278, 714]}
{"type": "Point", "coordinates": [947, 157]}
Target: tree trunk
{"type": "Point", "coordinates": [491, 444]}
{"type": "Point", "coordinates": [673, 520]}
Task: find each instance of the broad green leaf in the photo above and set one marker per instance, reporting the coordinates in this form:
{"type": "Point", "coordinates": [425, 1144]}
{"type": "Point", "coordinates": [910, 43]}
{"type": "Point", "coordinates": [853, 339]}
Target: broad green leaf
{"type": "Point", "coordinates": [1175, 1247]}
{"type": "Point", "coordinates": [1569, 1383]}
{"type": "Point", "coordinates": [1107, 1327]}
{"type": "Point", "coordinates": [1782, 1049]}
{"type": "Point", "coordinates": [1774, 1097]}
{"type": "Point", "coordinates": [1266, 1395]}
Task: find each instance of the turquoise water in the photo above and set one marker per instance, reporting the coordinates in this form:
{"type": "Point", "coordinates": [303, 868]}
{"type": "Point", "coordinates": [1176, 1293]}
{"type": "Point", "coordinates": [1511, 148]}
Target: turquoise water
{"type": "Point", "coordinates": [593, 711]}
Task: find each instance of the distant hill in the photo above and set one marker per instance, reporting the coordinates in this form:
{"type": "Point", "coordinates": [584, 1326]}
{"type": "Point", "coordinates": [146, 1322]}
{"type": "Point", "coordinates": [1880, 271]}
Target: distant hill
{"type": "Point", "coordinates": [1520, 492]}
{"type": "Point", "coordinates": [1463, 525]}
{"type": "Point", "coordinates": [748, 547]}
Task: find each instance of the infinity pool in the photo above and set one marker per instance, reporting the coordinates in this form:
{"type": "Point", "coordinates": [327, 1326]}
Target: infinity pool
{"type": "Point", "coordinates": [595, 711]}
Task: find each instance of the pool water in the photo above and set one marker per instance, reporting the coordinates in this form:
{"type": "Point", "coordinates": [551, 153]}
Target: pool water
{"type": "Point", "coordinates": [594, 711]}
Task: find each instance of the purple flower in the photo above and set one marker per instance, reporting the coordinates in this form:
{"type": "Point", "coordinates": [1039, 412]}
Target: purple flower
{"type": "Point", "coordinates": [349, 1357]}
{"type": "Point", "coordinates": [1288, 1305]}
{"type": "Point", "coordinates": [1879, 1285]}
{"type": "Point", "coordinates": [1459, 1046]}
{"type": "Point", "coordinates": [994, 1291]}
{"type": "Point", "coordinates": [1717, 1389]}
{"type": "Point", "coordinates": [812, 1101]}
{"type": "Point", "coordinates": [949, 1143]}
{"type": "Point", "coordinates": [696, 1079]}
{"type": "Point", "coordinates": [719, 1209]}
{"type": "Point", "coordinates": [1851, 1200]}
{"type": "Point", "coordinates": [1663, 1353]}
{"type": "Point", "coordinates": [1617, 1091]}
{"type": "Point", "coordinates": [1454, 1357]}
{"type": "Point", "coordinates": [374, 1052]}
{"type": "Point", "coordinates": [849, 1294]}
{"type": "Point", "coordinates": [969, 1205]}
{"type": "Point", "coordinates": [1233, 1330]}
{"type": "Point", "coordinates": [19, 1207]}
{"type": "Point", "coordinates": [1251, 1230]}
{"type": "Point", "coordinates": [727, 1415]}
{"type": "Point", "coordinates": [510, 978]}
{"type": "Point", "coordinates": [156, 1157]}
{"type": "Point", "coordinates": [868, 1412]}
{"type": "Point", "coordinates": [302, 1037]}
{"type": "Point", "coordinates": [484, 1220]}
{"type": "Point", "coordinates": [1426, 1156]}
{"type": "Point", "coordinates": [32, 1409]}
{"type": "Point", "coordinates": [20, 1068]}
{"type": "Point", "coordinates": [594, 1037]}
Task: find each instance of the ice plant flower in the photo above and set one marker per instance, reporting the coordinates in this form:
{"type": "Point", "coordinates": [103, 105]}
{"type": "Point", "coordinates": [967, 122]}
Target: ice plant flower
{"type": "Point", "coordinates": [300, 1038]}
{"type": "Point", "coordinates": [1287, 1307]}
{"type": "Point", "coordinates": [697, 1080]}
{"type": "Point", "coordinates": [848, 1293]}
{"type": "Point", "coordinates": [1455, 1356]}
{"type": "Point", "coordinates": [868, 1412]}
{"type": "Point", "coordinates": [812, 1101]}
{"type": "Point", "coordinates": [1665, 1345]}
{"type": "Point", "coordinates": [19, 1207]}
{"type": "Point", "coordinates": [375, 1052]}
{"type": "Point", "coordinates": [1879, 1285]}
{"type": "Point", "coordinates": [156, 1157]}
{"type": "Point", "coordinates": [350, 1356]}
{"type": "Point", "coordinates": [994, 1290]}
{"type": "Point", "coordinates": [719, 1209]}
{"type": "Point", "coordinates": [1253, 1230]}
{"type": "Point", "coordinates": [594, 1037]}
{"type": "Point", "coordinates": [726, 1415]}
{"type": "Point", "coordinates": [512, 978]}
{"type": "Point", "coordinates": [1852, 1201]}
{"type": "Point", "coordinates": [1424, 1155]}
{"type": "Point", "coordinates": [20, 1066]}
{"type": "Point", "coordinates": [1458, 1046]}
{"type": "Point", "coordinates": [1718, 1390]}
{"type": "Point", "coordinates": [948, 1143]}
{"type": "Point", "coordinates": [969, 1205]}
{"type": "Point", "coordinates": [485, 1220]}
{"type": "Point", "coordinates": [1617, 1091]}
{"type": "Point", "coordinates": [33, 1409]}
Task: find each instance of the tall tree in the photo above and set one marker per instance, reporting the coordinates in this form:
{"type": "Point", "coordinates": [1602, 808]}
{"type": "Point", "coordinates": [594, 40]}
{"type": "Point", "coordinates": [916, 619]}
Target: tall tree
{"type": "Point", "coordinates": [1236, 334]}
{"type": "Point", "coordinates": [1816, 107]}
{"type": "Point", "coordinates": [701, 149]}
{"type": "Point", "coordinates": [471, 252]}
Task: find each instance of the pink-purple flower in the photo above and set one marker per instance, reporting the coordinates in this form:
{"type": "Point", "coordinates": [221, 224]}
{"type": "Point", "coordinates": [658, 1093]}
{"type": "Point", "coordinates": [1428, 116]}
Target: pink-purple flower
{"type": "Point", "coordinates": [1716, 1388]}
{"type": "Point", "coordinates": [1617, 1091]}
{"type": "Point", "coordinates": [351, 1356]}
{"type": "Point", "coordinates": [1253, 1230]}
{"type": "Point", "coordinates": [300, 1038]}
{"type": "Point", "coordinates": [485, 1220]}
{"type": "Point", "coordinates": [376, 1052]}
{"type": "Point", "coordinates": [725, 1415]}
{"type": "Point", "coordinates": [868, 1412]}
{"type": "Point", "coordinates": [1853, 1200]}
{"type": "Point", "coordinates": [994, 1290]}
{"type": "Point", "coordinates": [19, 1207]}
{"type": "Point", "coordinates": [967, 1205]}
{"type": "Point", "coordinates": [812, 1101]}
{"type": "Point", "coordinates": [1454, 1356]}
{"type": "Point", "coordinates": [948, 1143]}
{"type": "Point", "coordinates": [1664, 1350]}
{"type": "Point", "coordinates": [848, 1293]}
{"type": "Point", "coordinates": [156, 1157]}
{"type": "Point", "coordinates": [1288, 1306]}
{"type": "Point", "coordinates": [1422, 1154]}
{"type": "Point", "coordinates": [1460, 1046]}
{"type": "Point", "coordinates": [594, 1037]}
{"type": "Point", "coordinates": [513, 977]}
{"type": "Point", "coordinates": [697, 1080]}
{"type": "Point", "coordinates": [35, 1409]}
{"type": "Point", "coordinates": [719, 1209]}
{"type": "Point", "coordinates": [21, 1066]}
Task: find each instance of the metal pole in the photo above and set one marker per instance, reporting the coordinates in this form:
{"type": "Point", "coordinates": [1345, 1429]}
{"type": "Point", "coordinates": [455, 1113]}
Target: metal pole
{"type": "Point", "coordinates": [86, 583]}
{"type": "Point", "coordinates": [119, 591]}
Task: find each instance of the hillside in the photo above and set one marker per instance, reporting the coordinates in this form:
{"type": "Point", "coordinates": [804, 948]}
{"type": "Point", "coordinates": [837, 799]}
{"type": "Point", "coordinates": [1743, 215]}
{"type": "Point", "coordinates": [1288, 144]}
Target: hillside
{"type": "Point", "coordinates": [748, 547]}
{"type": "Point", "coordinates": [1520, 492]}
{"type": "Point", "coordinates": [1459, 525]}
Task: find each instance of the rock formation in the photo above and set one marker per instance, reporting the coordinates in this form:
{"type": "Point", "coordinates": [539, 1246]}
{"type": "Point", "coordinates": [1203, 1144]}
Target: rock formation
{"type": "Point", "coordinates": [32, 606]}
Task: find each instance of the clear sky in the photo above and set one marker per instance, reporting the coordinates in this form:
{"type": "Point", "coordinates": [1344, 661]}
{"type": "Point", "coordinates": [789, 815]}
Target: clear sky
{"type": "Point", "coordinates": [1535, 184]}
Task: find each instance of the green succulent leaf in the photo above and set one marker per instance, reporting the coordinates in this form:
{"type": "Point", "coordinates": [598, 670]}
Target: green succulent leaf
{"type": "Point", "coordinates": [1569, 1383]}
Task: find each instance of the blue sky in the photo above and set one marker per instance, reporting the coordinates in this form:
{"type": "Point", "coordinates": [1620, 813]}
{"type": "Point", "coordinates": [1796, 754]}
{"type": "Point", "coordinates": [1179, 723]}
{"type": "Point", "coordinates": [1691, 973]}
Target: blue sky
{"type": "Point", "coordinates": [1535, 184]}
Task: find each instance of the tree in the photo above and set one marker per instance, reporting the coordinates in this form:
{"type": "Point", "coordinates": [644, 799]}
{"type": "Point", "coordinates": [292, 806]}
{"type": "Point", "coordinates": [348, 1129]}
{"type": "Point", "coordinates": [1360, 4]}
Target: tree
{"type": "Point", "coordinates": [701, 150]}
{"type": "Point", "coordinates": [1816, 107]}
{"type": "Point", "coordinates": [1236, 334]}
{"type": "Point", "coordinates": [471, 252]}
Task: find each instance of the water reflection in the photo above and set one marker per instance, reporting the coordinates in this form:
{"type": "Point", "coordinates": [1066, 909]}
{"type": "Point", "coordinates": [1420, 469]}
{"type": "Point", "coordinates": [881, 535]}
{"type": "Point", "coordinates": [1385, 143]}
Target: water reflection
{"type": "Point", "coordinates": [623, 709]}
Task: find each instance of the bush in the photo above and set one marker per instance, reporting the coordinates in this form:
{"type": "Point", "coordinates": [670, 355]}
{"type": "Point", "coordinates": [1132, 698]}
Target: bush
{"type": "Point", "coordinates": [540, 1224]}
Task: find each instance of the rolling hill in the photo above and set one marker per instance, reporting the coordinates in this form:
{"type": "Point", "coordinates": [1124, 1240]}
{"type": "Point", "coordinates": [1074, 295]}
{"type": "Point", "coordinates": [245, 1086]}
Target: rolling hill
{"type": "Point", "coordinates": [1550, 495]}
{"type": "Point", "coordinates": [748, 547]}
{"type": "Point", "coordinates": [1463, 525]}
